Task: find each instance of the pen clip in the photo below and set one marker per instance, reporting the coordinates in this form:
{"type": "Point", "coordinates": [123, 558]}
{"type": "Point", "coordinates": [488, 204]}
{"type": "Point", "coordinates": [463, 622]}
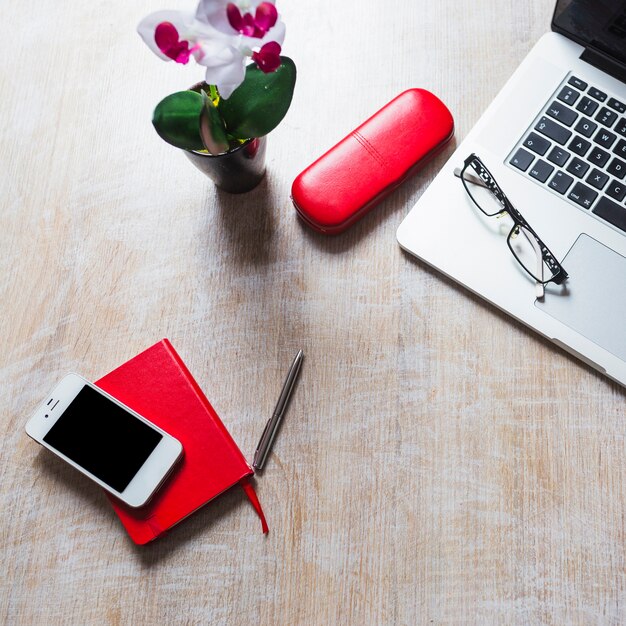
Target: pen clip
{"type": "Point", "coordinates": [264, 434]}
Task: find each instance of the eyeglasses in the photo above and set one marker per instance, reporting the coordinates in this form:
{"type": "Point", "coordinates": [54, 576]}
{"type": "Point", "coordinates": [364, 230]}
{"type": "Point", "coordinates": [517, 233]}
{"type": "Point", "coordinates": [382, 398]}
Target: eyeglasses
{"type": "Point", "coordinates": [527, 248]}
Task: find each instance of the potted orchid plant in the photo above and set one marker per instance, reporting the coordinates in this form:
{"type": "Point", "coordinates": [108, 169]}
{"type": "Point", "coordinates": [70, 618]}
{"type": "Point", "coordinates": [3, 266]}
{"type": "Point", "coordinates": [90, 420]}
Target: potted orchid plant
{"type": "Point", "coordinates": [221, 124]}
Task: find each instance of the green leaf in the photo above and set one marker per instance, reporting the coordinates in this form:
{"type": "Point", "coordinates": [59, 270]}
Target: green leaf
{"type": "Point", "coordinates": [259, 104]}
{"type": "Point", "coordinates": [212, 130]}
{"type": "Point", "coordinates": [177, 120]}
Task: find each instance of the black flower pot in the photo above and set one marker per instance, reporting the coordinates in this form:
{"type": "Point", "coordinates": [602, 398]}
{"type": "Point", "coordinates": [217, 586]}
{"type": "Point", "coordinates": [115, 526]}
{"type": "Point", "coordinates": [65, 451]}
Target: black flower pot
{"type": "Point", "coordinates": [236, 171]}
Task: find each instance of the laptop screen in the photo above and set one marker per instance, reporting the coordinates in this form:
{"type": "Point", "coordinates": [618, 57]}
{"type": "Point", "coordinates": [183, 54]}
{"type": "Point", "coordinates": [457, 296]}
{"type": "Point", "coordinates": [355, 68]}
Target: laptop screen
{"type": "Point", "coordinates": [600, 24]}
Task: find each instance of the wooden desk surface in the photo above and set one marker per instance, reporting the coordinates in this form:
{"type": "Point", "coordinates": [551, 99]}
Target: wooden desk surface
{"type": "Point", "coordinates": [439, 462]}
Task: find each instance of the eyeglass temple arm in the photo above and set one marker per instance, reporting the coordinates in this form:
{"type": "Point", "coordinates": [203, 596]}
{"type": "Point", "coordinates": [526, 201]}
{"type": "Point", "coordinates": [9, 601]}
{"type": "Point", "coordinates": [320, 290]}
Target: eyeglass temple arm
{"type": "Point", "coordinates": [469, 177]}
{"type": "Point", "coordinates": [539, 288]}
{"type": "Point", "coordinates": [541, 249]}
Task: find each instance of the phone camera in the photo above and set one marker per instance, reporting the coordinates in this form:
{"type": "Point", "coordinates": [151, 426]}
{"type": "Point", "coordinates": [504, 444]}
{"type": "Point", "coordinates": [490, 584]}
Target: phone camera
{"type": "Point", "coordinates": [46, 415]}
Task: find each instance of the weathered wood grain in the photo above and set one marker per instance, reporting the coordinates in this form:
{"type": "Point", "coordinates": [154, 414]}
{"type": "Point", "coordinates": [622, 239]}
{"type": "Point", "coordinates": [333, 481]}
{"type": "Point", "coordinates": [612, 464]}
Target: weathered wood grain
{"type": "Point", "coordinates": [439, 463]}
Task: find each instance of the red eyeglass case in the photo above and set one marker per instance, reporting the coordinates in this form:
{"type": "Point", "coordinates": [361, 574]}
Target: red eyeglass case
{"type": "Point", "coordinates": [356, 174]}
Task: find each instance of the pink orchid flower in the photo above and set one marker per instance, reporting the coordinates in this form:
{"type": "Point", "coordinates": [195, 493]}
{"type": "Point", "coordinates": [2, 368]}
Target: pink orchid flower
{"type": "Point", "coordinates": [220, 36]}
{"type": "Point", "coordinates": [168, 33]}
{"type": "Point", "coordinates": [251, 18]}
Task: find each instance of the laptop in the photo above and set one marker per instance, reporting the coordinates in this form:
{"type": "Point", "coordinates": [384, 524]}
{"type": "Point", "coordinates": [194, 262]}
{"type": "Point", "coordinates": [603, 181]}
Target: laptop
{"type": "Point", "coordinates": [554, 141]}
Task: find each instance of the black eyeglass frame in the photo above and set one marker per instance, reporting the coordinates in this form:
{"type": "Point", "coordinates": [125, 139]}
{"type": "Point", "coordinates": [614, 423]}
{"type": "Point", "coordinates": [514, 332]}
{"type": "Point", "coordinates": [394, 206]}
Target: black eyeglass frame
{"type": "Point", "coordinates": [559, 274]}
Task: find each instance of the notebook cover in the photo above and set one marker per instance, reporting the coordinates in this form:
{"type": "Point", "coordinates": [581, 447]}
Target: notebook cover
{"type": "Point", "coordinates": [158, 385]}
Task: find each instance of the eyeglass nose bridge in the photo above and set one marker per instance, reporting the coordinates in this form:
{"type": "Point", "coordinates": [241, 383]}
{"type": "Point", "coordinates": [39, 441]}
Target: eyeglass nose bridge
{"type": "Point", "coordinates": [505, 229]}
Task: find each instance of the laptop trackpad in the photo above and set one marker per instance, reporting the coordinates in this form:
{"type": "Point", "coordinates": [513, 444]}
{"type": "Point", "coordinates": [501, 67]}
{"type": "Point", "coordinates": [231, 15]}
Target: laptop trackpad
{"type": "Point", "coordinates": [594, 300]}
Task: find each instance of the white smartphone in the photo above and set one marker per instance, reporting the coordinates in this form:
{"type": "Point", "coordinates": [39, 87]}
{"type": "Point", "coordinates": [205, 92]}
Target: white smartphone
{"type": "Point", "coordinates": [110, 443]}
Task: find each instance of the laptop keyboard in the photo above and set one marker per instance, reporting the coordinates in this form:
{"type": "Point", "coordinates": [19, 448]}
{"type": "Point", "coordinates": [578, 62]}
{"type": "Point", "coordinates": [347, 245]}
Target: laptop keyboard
{"type": "Point", "coordinates": [577, 148]}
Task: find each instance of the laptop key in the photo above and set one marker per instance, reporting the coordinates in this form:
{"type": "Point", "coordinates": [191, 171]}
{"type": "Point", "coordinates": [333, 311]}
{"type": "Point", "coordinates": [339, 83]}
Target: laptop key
{"type": "Point", "coordinates": [579, 145]}
{"type": "Point", "coordinates": [577, 167]}
{"type": "Point", "coordinates": [598, 157]}
{"type": "Point", "coordinates": [522, 159]}
{"type": "Point", "coordinates": [606, 117]}
{"type": "Point", "coordinates": [621, 126]}
{"type": "Point", "coordinates": [537, 144]}
{"type": "Point", "coordinates": [561, 182]}
{"type": "Point", "coordinates": [617, 168]}
{"type": "Point", "coordinates": [576, 82]}
{"type": "Point", "coordinates": [558, 156]}
{"type": "Point", "coordinates": [611, 212]}
{"type": "Point", "coordinates": [541, 170]}
{"type": "Point", "coordinates": [605, 138]}
{"type": "Point", "coordinates": [585, 127]}
{"type": "Point", "coordinates": [597, 94]}
{"type": "Point", "coordinates": [582, 195]}
{"type": "Point", "coordinates": [587, 106]}
{"type": "Point", "coordinates": [620, 107]}
{"type": "Point", "coordinates": [597, 179]}
{"type": "Point", "coordinates": [620, 148]}
{"type": "Point", "coordinates": [553, 130]}
{"type": "Point", "coordinates": [562, 113]}
{"type": "Point", "coordinates": [568, 95]}
{"type": "Point", "coordinates": [616, 190]}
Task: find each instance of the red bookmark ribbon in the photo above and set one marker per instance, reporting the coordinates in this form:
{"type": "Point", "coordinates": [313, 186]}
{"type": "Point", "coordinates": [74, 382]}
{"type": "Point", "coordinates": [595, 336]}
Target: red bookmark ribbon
{"type": "Point", "coordinates": [249, 489]}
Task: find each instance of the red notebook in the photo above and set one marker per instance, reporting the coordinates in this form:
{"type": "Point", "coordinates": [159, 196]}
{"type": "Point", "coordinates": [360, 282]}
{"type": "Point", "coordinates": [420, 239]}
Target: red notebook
{"type": "Point", "coordinates": [158, 385]}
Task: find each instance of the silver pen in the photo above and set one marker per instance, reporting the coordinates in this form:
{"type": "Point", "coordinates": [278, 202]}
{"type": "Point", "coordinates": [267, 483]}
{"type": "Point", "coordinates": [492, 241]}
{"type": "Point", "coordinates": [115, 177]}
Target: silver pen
{"type": "Point", "coordinates": [269, 432]}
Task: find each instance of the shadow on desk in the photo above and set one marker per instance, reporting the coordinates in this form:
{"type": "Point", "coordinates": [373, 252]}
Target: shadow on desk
{"type": "Point", "coordinates": [404, 197]}
{"type": "Point", "coordinates": [522, 328]}
{"type": "Point", "coordinates": [248, 222]}
{"type": "Point", "coordinates": [59, 472]}
{"type": "Point", "coordinates": [199, 524]}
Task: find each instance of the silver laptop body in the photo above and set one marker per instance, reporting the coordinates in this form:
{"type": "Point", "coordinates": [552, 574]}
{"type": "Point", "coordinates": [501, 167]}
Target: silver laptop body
{"type": "Point", "coordinates": [555, 141]}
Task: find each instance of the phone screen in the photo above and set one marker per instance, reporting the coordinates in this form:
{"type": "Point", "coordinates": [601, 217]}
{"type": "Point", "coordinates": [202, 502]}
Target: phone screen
{"type": "Point", "coordinates": [103, 438]}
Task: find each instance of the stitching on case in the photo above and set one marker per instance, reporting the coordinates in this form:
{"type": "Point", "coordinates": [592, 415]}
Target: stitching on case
{"type": "Point", "coordinates": [369, 148]}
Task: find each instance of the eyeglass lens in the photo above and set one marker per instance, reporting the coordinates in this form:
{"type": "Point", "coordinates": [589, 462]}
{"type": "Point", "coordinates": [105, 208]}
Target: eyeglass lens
{"type": "Point", "coordinates": [477, 182]}
{"type": "Point", "coordinates": [527, 250]}
{"type": "Point", "coordinates": [524, 245]}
